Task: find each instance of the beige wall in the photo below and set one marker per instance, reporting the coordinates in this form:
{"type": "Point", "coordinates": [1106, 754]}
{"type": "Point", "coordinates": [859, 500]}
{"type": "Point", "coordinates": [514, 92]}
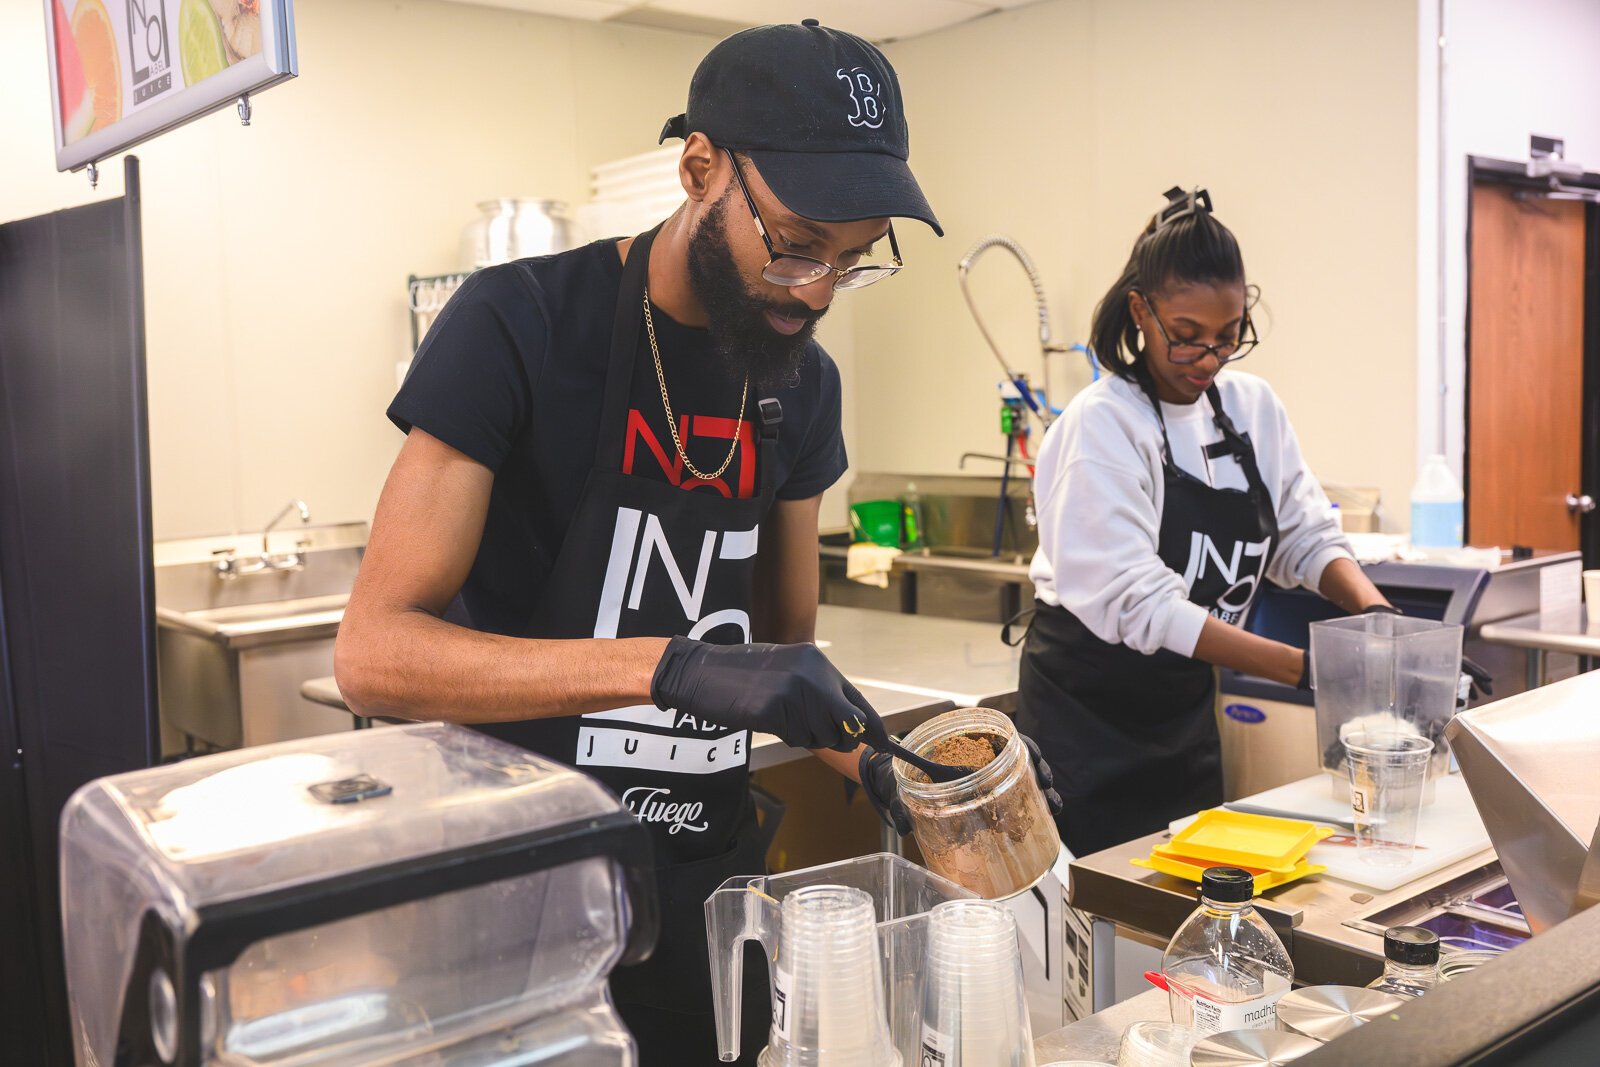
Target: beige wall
{"type": "Point", "coordinates": [1061, 123]}
{"type": "Point", "coordinates": [276, 256]}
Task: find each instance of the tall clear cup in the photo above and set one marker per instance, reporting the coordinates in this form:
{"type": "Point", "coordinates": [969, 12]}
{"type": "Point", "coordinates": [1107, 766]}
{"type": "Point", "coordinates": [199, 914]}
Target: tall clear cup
{"type": "Point", "coordinates": [1387, 774]}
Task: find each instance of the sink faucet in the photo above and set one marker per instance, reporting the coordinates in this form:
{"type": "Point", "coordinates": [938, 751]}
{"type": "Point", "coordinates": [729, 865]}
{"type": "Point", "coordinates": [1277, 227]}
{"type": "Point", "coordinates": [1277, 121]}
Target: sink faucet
{"type": "Point", "coordinates": [294, 505]}
{"type": "Point", "coordinates": [228, 566]}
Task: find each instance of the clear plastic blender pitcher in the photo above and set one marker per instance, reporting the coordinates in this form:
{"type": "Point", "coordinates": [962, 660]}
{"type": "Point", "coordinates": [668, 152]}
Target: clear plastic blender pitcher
{"type": "Point", "coordinates": [409, 896]}
{"type": "Point", "coordinates": [751, 909]}
{"type": "Point", "coordinates": [1386, 674]}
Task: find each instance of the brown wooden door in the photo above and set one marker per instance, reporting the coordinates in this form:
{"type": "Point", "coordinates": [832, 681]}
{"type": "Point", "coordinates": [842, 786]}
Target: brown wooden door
{"type": "Point", "coordinates": [1524, 368]}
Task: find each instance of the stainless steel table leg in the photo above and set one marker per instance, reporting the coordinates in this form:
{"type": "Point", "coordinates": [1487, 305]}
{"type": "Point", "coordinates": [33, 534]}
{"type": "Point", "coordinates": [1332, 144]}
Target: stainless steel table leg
{"type": "Point", "coordinates": [1535, 668]}
{"type": "Point", "coordinates": [889, 840]}
{"type": "Point", "coordinates": [1103, 962]}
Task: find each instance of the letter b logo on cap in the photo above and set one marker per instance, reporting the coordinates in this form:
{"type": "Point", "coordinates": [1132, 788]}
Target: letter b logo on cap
{"type": "Point", "coordinates": [864, 96]}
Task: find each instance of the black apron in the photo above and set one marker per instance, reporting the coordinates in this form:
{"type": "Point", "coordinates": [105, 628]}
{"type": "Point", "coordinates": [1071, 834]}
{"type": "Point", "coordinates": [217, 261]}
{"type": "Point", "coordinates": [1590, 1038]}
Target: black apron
{"type": "Point", "coordinates": [644, 558]}
{"type": "Point", "coordinates": [1132, 738]}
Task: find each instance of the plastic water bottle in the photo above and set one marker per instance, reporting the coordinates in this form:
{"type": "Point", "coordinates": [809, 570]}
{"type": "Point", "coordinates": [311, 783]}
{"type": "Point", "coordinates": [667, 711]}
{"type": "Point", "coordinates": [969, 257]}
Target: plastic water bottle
{"type": "Point", "coordinates": [912, 532]}
{"type": "Point", "coordinates": [1411, 966]}
{"type": "Point", "coordinates": [1436, 506]}
{"type": "Point", "coordinates": [1225, 968]}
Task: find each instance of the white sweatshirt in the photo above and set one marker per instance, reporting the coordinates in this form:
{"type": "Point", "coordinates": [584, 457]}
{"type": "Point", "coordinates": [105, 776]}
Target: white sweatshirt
{"type": "Point", "coordinates": [1098, 488]}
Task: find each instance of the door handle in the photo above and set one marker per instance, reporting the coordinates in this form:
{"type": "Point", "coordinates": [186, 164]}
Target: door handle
{"type": "Point", "coordinates": [1580, 504]}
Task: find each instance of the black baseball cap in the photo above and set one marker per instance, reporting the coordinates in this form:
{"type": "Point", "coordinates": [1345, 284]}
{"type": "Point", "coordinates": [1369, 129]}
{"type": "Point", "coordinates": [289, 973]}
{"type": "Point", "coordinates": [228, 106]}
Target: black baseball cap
{"type": "Point", "coordinates": [818, 112]}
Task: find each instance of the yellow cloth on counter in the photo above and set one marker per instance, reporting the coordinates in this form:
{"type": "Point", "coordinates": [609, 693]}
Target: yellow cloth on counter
{"type": "Point", "coordinates": [869, 564]}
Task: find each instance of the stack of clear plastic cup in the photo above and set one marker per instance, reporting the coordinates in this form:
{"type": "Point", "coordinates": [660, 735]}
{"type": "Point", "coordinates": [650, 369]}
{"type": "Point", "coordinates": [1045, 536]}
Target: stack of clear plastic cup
{"type": "Point", "coordinates": [827, 1008]}
{"type": "Point", "coordinates": [1388, 771]}
{"type": "Point", "coordinates": [973, 1010]}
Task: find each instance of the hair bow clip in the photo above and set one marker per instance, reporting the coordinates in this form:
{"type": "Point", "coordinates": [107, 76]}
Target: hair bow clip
{"type": "Point", "coordinates": [1182, 203]}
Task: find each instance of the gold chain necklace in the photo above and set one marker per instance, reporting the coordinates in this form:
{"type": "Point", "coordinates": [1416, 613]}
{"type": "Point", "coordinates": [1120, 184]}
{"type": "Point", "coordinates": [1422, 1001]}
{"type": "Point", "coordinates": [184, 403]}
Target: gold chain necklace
{"type": "Point", "coordinates": [672, 423]}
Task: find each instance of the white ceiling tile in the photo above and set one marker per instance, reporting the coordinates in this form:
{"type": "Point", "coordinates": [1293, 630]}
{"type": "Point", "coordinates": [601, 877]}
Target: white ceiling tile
{"type": "Point", "coordinates": [880, 20]}
{"type": "Point", "coordinates": [591, 10]}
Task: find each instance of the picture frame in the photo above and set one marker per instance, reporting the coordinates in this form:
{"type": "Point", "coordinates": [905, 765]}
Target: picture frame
{"type": "Point", "coordinates": [124, 71]}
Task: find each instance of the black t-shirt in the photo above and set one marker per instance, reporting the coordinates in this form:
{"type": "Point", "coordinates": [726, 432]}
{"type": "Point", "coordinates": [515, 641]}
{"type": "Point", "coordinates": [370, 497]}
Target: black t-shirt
{"type": "Point", "coordinates": [513, 375]}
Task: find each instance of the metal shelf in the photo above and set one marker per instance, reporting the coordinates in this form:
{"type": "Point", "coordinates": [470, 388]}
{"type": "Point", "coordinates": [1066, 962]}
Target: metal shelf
{"type": "Point", "coordinates": [426, 296]}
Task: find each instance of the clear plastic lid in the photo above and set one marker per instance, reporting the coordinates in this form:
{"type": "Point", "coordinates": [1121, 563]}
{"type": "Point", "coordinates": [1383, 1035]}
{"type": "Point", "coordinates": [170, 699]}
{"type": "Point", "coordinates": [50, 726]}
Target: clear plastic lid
{"type": "Point", "coordinates": [172, 841]}
{"type": "Point", "coordinates": [257, 819]}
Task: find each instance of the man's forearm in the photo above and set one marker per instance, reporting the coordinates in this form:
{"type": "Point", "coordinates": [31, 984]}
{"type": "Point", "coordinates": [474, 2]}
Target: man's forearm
{"type": "Point", "coordinates": [413, 665]}
{"type": "Point", "coordinates": [846, 763]}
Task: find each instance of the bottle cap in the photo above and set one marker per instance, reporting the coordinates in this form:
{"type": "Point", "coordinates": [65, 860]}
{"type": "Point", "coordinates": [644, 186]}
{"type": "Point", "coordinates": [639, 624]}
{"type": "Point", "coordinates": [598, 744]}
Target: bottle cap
{"type": "Point", "coordinates": [1227, 885]}
{"type": "Point", "coordinates": [1411, 945]}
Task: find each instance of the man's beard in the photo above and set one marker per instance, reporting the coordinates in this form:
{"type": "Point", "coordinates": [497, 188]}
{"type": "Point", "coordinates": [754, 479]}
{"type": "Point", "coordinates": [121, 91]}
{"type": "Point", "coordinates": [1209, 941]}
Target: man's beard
{"type": "Point", "coordinates": [741, 338]}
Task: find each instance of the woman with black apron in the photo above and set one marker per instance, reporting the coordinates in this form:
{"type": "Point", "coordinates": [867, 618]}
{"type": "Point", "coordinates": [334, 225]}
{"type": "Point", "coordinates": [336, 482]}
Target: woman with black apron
{"type": "Point", "coordinates": [1166, 494]}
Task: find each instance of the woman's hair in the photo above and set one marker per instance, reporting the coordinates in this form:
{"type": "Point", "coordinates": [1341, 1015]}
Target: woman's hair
{"type": "Point", "coordinates": [1183, 244]}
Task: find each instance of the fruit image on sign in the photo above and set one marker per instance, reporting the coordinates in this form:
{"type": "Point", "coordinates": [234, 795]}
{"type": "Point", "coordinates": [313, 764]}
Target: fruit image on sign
{"type": "Point", "coordinates": [200, 46]}
{"type": "Point", "coordinates": [241, 26]}
{"type": "Point", "coordinates": [73, 94]}
{"type": "Point", "coordinates": [97, 51]}
{"type": "Point", "coordinates": [124, 71]}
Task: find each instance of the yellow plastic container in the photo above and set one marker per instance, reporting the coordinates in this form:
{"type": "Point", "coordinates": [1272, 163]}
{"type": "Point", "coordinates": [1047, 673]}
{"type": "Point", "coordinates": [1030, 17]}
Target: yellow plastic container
{"type": "Point", "coordinates": [1190, 870]}
{"type": "Point", "coordinates": [1239, 839]}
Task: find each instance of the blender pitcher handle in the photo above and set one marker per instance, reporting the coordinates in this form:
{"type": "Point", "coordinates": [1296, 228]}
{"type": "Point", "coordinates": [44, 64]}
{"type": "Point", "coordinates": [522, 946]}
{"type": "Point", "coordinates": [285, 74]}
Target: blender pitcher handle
{"type": "Point", "coordinates": [736, 913]}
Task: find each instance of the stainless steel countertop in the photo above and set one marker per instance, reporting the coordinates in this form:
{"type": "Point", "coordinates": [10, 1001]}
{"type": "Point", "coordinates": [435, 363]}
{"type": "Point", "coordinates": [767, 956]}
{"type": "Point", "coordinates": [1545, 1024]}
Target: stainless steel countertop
{"type": "Point", "coordinates": [921, 655]}
{"type": "Point", "coordinates": [1565, 630]}
{"type": "Point", "coordinates": [909, 667]}
{"type": "Point", "coordinates": [1004, 569]}
{"type": "Point", "coordinates": [1309, 914]}
{"type": "Point", "coordinates": [1099, 1036]}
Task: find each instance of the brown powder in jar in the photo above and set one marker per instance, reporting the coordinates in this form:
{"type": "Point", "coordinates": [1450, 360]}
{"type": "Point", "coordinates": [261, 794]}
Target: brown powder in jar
{"type": "Point", "coordinates": [959, 750]}
{"type": "Point", "coordinates": [984, 858]}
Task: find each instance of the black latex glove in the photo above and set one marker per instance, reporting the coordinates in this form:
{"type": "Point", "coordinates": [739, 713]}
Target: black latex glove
{"type": "Point", "coordinates": [1043, 775]}
{"type": "Point", "coordinates": [788, 690]}
{"type": "Point", "coordinates": [877, 779]}
{"type": "Point", "coordinates": [1482, 680]}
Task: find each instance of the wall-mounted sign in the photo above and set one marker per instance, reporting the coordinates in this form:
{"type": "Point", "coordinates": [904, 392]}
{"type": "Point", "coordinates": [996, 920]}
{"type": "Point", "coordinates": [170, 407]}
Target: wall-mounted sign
{"type": "Point", "coordinates": [123, 71]}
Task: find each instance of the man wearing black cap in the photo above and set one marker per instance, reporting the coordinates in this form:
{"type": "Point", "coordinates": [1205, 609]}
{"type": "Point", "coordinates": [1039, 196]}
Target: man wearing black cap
{"type": "Point", "coordinates": [610, 483]}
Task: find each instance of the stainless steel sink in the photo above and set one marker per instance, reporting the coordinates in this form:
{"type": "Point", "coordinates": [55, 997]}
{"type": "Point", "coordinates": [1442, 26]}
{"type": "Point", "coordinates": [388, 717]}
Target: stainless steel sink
{"type": "Point", "coordinates": [251, 625]}
{"type": "Point", "coordinates": [234, 648]}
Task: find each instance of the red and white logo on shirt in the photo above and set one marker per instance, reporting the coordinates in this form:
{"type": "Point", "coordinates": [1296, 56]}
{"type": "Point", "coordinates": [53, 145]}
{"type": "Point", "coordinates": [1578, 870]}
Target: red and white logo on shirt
{"type": "Point", "coordinates": [742, 471]}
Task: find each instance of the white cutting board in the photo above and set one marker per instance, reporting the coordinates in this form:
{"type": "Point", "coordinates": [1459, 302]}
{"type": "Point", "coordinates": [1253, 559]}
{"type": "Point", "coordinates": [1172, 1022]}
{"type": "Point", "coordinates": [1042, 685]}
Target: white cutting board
{"type": "Point", "coordinates": [1449, 830]}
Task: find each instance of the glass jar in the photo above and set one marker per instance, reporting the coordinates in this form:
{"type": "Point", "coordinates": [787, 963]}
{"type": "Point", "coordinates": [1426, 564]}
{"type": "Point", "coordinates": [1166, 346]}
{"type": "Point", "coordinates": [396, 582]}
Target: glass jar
{"type": "Point", "coordinates": [990, 831]}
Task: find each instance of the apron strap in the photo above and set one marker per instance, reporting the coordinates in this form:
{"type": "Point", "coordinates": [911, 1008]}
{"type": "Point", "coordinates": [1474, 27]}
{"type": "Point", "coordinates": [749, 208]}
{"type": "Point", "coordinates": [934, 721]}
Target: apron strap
{"type": "Point", "coordinates": [1148, 385]}
{"type": "Point", "coordinates": [771, 418]}
{"type": "Point", "coordinates": [1237, 443]}
{"type": "Point", "coordinates": [624, 347]}
{"type": "Point", "coordinates": [1028, 613]}
{"type": "Point", "coordinates": [1233, 442]}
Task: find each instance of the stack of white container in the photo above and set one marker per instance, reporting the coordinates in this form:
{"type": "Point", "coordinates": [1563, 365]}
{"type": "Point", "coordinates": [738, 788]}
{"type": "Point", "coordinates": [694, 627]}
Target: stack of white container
{"type": "Point", "coordinates": [631, 195]}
